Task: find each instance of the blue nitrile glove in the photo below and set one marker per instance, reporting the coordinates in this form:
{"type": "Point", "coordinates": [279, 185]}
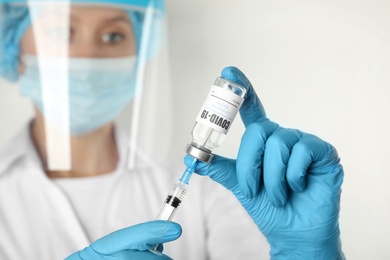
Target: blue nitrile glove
{"type": "Point", "coordinates": [131, 242]}
{"type": "Point", "coordinates": [288, 181]}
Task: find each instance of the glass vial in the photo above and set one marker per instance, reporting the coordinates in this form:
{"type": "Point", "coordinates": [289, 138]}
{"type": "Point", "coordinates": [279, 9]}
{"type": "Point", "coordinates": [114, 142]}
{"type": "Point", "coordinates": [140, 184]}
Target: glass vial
{"type": "Point", "coordinates": [215, 118]}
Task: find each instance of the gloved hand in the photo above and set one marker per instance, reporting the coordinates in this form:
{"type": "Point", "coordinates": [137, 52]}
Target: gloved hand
{"type": "Point", "coordinates": [288, 181]}
{"type": "Point", "coordinates": [131, 242]}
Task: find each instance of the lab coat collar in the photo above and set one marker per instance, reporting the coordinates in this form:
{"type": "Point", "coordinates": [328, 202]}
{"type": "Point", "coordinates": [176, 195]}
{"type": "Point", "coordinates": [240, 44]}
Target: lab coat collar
{"type": "Point", "coordinates": [22, 147]}
{"type": "Point", "coordinates": [18, 148]}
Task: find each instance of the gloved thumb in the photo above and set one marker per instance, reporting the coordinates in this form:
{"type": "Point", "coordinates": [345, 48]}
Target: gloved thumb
{"type": "Point", "coordinates": [139, 237]}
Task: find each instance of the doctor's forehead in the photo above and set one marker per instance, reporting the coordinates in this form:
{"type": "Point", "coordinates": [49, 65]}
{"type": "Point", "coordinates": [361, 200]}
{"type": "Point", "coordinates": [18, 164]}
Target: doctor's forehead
{"type": "Point", "coordinates": [82, 14]}
{"type": "Point", "coordinates": [98, 13]}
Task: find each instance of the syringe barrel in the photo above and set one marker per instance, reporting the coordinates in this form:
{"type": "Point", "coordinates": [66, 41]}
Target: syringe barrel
{"type": "Point", "coordinates": [172, 202]}
{"type": "Point", "coordinates": [168, 209]}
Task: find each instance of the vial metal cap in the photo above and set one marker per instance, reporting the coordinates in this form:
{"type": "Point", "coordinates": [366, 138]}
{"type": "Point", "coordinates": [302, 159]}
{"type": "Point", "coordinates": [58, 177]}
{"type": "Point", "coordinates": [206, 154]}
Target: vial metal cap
{"type": "Point", "coordinates": [200, 153]}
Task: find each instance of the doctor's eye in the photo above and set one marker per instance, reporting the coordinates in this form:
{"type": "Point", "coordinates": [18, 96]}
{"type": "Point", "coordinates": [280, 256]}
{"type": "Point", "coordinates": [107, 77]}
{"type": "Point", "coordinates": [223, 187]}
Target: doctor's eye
{"type": "Point", "coordinates": [112, 37]}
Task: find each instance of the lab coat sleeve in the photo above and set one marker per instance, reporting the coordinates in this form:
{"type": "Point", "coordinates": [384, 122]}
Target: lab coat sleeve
{"type": "Point", "coordinates": [231, 233]}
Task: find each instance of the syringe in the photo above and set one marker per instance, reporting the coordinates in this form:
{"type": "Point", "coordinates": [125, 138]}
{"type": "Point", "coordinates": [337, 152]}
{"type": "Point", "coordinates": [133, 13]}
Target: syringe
{"type": "Point", "coordinates": [175, 197]}
{"type": "Point", "coordinates": [211, 126]}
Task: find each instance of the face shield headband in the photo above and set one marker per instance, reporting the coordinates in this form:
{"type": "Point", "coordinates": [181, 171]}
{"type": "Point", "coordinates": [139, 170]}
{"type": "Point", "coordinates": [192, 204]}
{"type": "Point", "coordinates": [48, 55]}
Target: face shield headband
{"type": "Point", "coordinates": [15, 19]}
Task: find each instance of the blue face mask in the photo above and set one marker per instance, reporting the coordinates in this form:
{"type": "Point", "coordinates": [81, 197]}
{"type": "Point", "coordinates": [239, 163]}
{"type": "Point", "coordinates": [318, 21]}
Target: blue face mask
{"type": "Point", "coordinates": [99, 89]}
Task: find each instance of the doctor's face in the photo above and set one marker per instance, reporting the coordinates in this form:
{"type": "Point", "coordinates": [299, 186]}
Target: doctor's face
{"type": "Point", "coordinates": [92, 32]}
{"type": "Point", "coordinates": [89, 91]}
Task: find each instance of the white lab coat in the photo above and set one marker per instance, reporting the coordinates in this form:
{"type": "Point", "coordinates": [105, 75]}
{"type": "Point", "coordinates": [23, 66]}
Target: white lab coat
{"type": "Point", "coordinates": [38, 221]}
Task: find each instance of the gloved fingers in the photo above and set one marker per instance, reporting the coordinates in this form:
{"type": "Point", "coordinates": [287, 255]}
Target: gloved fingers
{"type": "Point", "coordinates": [90, 254]}
{"type": "Point", "coordinates": [252, 109]}
{"type": "Point", "coordinates": [276, 158]}
{"type": "Point", "coordinates": [221, 170]}
{"type": "Point", "coordinates": [145, 255]}
{"type": "Point", "coordinates": [250, 156]}
{"type": "Point", "coordinates": [310, 154]}
{"type": "Point", "coordinates": [138, 237]}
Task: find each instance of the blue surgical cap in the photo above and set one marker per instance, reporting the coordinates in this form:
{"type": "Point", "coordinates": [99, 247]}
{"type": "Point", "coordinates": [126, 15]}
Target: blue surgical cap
{"type": "Point", "coordinates": [15, 20]}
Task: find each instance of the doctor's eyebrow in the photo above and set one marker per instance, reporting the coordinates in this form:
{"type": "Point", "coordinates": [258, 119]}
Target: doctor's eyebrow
{"type": "Point", "coordinates": [119, 18]}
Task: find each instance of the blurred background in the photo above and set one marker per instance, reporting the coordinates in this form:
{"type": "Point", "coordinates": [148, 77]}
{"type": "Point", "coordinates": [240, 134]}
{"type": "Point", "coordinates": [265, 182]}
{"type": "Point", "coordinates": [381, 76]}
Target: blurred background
{"type": "Point", "coordinates": [321, 66]}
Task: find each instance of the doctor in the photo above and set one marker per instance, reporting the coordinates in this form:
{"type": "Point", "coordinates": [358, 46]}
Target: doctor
{"type": "Point", "coordinates": [65, 180]}
{"type": "Point", "coordinates": [83, 166]}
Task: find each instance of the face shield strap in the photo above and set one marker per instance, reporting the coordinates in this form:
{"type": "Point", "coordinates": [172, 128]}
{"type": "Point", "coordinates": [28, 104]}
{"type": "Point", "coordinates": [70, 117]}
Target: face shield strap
{"type": "Point", "coordinates": [136, 5]}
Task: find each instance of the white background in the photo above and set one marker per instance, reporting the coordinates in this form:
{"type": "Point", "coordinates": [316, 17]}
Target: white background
{"type": "Point", "coordinates": [321, 66]}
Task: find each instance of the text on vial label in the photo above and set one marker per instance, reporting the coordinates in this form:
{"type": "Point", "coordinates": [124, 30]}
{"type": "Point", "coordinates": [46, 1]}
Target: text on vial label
{"type": "Point", "coordinates": [220, 108]}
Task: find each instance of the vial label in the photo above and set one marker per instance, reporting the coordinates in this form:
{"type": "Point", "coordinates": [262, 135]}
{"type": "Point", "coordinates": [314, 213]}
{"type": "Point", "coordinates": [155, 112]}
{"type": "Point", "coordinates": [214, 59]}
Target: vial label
{"type": "Point", "coordinates": [220, 109]}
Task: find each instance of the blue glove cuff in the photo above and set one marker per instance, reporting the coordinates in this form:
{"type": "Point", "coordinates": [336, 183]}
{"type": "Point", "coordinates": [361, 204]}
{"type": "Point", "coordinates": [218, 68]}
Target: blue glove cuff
{"type": "Point", "coordinates": [291, 249]}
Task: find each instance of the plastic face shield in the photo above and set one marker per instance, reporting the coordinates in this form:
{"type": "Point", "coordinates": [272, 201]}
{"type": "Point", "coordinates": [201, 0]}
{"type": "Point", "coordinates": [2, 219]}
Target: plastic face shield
{"type": "Point", "coordinates": [97, 74]}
